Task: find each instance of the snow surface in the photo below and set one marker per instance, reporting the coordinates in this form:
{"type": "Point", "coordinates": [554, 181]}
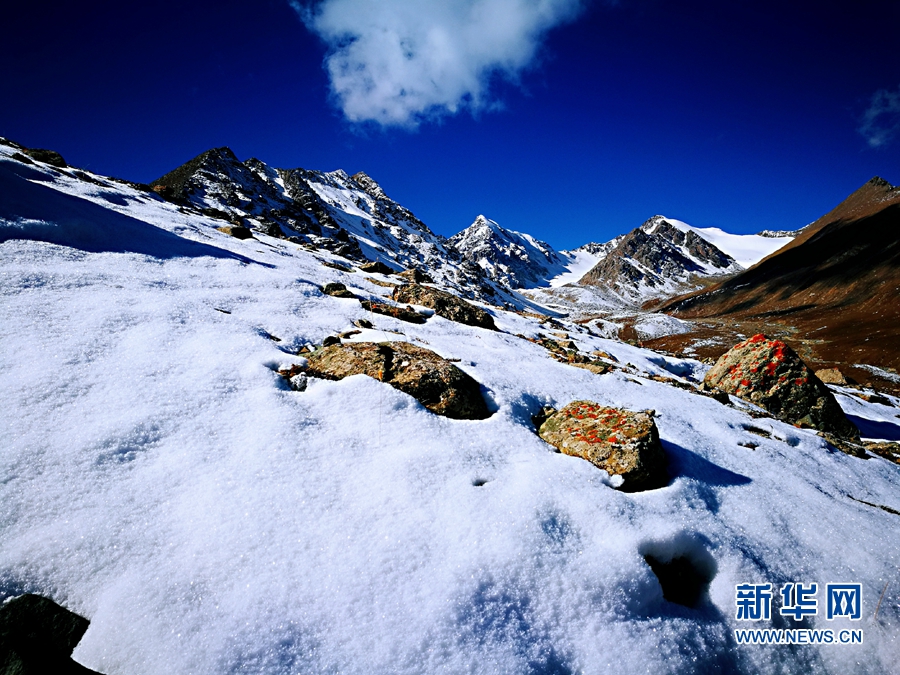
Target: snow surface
{"type": "Point", "coordinates": [161, 479]}
{"type": "Point", "coordinates": [746, 249]}
{"type": "Point", "coordinates": [580, 263]}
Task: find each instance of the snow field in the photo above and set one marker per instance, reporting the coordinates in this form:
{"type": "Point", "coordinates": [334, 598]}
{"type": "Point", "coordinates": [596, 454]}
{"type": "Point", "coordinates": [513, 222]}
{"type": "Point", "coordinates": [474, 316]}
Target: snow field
{"type": "Point", "coordinates": [160, 478]}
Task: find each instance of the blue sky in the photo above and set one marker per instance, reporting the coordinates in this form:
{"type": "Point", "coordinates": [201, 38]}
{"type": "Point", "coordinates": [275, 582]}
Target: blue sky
{"type": "Point", "coordinates": [573, 121]}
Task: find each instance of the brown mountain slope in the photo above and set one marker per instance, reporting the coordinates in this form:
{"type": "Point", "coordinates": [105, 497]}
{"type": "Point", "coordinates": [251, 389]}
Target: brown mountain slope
{"type": "Point", "coordinates": [836, 287]}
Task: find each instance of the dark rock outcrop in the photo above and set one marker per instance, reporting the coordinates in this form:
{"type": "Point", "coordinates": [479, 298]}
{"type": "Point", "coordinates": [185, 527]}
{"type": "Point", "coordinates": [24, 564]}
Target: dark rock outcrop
{"type": "Point", "coordinates": [416, 276]}
{"type": "Point", "coordinates": [432, 380]}
{"type": "Point", "coordinates": [47, 157]}
{"type": "Point", "coordinates": [376, 267]}
{"type": "Point", "coordinates": [444, 304]}
{"type": "Point", "coordinates": [402, 313]}
{"type": "Point", "coordinates": [37, 637]}
{"type": "Point", "coordinates": [621, 442]}
{"type": "Point", "coordinates": [237, 231]}
{"type": "Point", "coordinates": [338, 290]}
{"type": "Point", "coordinates": [771, 374]}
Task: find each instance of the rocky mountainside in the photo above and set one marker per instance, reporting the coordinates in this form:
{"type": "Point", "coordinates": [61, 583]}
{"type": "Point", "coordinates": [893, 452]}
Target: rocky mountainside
{"type": "Point", "coordinates": [657, 259]}
{"type": "Point", "coordinates": [836, 283]}
{"type": "Point", "coordinates": [348, 215]}
{"type": "Point", "coordinates": [511, 258]}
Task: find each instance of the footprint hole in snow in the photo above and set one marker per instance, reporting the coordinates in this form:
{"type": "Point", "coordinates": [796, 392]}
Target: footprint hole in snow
{"type": "Point", "coordinates": [683, 567]}
{"type": "Point", "coordinates": [479, 482]}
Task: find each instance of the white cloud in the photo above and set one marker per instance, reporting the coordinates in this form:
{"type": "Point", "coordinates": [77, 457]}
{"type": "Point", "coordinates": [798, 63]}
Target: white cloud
{"type": "Point", "coordinates": [881, 121]}
{"type": "Point", "coordinates": [397, 62]}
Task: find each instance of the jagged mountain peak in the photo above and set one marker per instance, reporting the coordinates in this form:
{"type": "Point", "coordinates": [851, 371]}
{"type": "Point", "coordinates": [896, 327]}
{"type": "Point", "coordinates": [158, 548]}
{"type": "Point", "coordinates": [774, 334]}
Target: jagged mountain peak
{"type": "Point", "coordinates": [367, 183]}
{"type": "Point", "coordinates": [512, 258]}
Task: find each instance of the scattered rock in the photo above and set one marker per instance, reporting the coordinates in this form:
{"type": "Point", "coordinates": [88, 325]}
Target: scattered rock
{"type": "Point", "coordinates": [603, 355]}
{"type": "Point", "coordinates": [348, 334]}
{"type": "Point", "coordinates": [331, 340]}
{"type": "Point", "coordinates": [832, 376]}
{"type": "Point", "coordinates": [379, 282]}
{"type": "Point", "coordinates": [890, 451]}
{"type": "Point", "coordinates": [18, 156]}
{"type": "Point", "coordinates": [771, 375]}
{"type": "Point", "coordinates": [597, 367]}
{"type": "Point", "coordinates": [715, 394]}
{"type": "Point", "coordinates": [432, 380]}
{"type": "Point", "coordinates": [236, 231]}
{"type": "Point", "coordinates": [402, 313]}
{"type": "Point", "coordinates": [874, 397]}
{"type": "Point", "coordinates": [47, 157]}
{"type": "Point", "coordinates": [362, 323]}
{"type": "Point", "coordinates": [338, 290]}
{"type": "Point", "coordinates": [541, 416]}
{"type": "Point", "coordinates": [621, 442]}
{"type": "Point", "coordinates": [376, 267]}
{"type": "Point", "coordinates": [444, 304]}
{"type": "Point", "coordinates": [38, 636]}
{"type": "Point", "coordinates": [415, 276]}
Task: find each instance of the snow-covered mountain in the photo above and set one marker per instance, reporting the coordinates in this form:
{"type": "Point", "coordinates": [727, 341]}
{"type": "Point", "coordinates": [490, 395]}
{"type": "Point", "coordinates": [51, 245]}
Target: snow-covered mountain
{"type": "Point", "coordinates": [347, 215]}
{"type": "Point", "coordinates": [511, 258]}
{"type": "Point", "coordinates": [657, 259]}
{"type": "Point", "coordinates": [161, 478]}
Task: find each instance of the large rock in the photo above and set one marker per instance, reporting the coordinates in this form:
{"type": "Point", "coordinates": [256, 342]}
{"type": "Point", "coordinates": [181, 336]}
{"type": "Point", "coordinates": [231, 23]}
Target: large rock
{"type": "Point", "coordinates": [444, 304]}
{"type": "Point", "coordinates": [621, 442]}
{"type": "Point", "coordinates": [771, 374]}
{"type": "Point", "coordinates": [430, 379]}
{"type": "Point", "coordinates": [37, 636]}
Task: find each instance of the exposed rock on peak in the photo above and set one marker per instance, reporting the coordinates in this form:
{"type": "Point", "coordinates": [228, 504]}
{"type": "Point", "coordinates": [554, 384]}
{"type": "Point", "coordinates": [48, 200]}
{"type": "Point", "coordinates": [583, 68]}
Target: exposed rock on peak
{"type": "Point", "coordinates": [369, 185]}
{"type": "Point", "coordinates": [656, 259]}
{"type": "Point", "coordinates": [514, 259]}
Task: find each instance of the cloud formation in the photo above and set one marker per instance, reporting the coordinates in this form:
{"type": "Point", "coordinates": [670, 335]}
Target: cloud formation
{"type": "Point", "coordinates": [881, 121]}
{"type": "Point", "coordinates": [398, 62]}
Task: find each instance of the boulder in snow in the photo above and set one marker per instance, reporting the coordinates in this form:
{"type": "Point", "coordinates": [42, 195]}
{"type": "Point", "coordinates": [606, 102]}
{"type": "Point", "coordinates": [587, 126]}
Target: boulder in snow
{"type": "Point", "coordinates": [621, 442]}
{"type": "Point", "coordinates": [444, 304]}
{"type": "Point", "coordinates": [430, 379]}
{"type": "Point", "coordinates": [337, 289]}
{"type": "Point", "coordinates": [38, 636]}
{"type": "Point", "coordinates": [376, 267]}
{"type": "Point", "coordinates": [237, 231]}
{"type": "Point", "coordinates": [771, 374]}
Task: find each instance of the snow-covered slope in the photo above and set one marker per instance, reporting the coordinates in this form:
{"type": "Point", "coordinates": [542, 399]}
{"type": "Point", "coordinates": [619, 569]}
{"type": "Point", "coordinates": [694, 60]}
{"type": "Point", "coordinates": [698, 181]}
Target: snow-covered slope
{"type": "Point", "coordinates": [159, 478]}
{"type": "Point", "coordinates": [746, 249]}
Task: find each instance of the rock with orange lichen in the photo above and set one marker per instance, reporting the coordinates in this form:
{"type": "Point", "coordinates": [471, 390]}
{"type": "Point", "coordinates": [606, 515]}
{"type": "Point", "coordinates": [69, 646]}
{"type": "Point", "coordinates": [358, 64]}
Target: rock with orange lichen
{"type": "Point", "coordinates": [621, 442]}
{"type": "Point", "coordinates": [771, 374]}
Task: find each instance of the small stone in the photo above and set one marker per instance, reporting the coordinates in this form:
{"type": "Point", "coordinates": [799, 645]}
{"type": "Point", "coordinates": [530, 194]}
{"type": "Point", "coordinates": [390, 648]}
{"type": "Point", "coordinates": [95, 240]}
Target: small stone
{"type": "Point", "coordinates": [376, 267]}
{"type": "Point", "coordinates": [236, 231]}
{"type": "Point", "coordinates": [337, 290]}
{"type": "Point", "coordinates": [402, 313]}
{"type": "Point", "coordinates": [832, 376]}
{"type": "Point", "coordinates": [299, 382]}
{"type": "Point", "coordinates": [621, 442]}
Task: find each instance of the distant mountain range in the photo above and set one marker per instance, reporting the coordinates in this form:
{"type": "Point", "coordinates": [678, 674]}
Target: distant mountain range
{"type": "Point", "coordinates": [836, 278]}
{"type": "Point", "coordinates": [837, 283]}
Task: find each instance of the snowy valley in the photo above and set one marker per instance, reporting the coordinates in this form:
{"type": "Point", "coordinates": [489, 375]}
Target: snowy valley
{"type": "Point", "coordinates": [164, 476]}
